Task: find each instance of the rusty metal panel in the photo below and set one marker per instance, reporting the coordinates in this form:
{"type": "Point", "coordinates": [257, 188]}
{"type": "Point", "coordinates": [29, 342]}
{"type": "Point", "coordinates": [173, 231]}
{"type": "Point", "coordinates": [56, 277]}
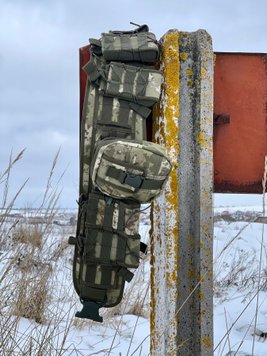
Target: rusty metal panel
{"type": "Point", "coordinates": [240, 114]}
{"type": "Point", "coordinates": [84, 55]}
{"type": "Point", "coordinates": [240, 91]}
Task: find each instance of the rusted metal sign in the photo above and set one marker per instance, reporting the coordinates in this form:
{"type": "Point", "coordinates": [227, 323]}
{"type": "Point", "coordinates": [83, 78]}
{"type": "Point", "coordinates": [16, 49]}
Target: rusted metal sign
{"type": "Point", "coordinates": [240, 92]}
{"type": "Point", "coordinates": [240, 118]}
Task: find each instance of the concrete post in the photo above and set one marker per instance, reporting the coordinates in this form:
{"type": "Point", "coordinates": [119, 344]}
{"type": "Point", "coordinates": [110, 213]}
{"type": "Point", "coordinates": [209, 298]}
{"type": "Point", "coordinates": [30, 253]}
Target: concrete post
{"type": "Point", "coordinates": [182, 218]}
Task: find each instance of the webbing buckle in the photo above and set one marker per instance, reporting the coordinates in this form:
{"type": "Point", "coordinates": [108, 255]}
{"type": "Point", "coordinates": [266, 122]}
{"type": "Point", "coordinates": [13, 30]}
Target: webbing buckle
{"type": "Point", "coordinates": [133, 180]}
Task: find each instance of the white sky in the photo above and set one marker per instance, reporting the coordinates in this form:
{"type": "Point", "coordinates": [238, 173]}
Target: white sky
{"type": "Point", "coordinates": [39, 89]}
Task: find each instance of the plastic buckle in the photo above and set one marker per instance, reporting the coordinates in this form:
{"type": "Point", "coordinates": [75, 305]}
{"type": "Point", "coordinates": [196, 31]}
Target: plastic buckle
{"type": "Point", "coordinates": [72, 240]}
{"type": "Point", "coordinates": [133, 180]}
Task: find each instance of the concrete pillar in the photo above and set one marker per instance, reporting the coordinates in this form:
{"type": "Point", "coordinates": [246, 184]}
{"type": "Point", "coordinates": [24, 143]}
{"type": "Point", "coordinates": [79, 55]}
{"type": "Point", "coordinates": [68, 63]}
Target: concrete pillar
{"type": "Point", "coordinates": [182, 217]}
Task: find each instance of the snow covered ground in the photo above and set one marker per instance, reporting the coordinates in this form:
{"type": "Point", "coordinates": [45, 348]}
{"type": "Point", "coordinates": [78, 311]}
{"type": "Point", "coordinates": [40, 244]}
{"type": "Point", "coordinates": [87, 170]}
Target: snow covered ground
{"type": "Point", "coordinates": [38, 301]}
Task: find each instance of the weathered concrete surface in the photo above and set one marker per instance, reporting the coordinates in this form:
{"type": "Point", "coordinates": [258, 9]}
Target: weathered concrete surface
{"type": "Point", "coordinates": [182, 228]}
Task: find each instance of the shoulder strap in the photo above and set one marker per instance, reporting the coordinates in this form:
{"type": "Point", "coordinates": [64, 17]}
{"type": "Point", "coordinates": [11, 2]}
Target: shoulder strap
{"type": "Point", "coordinates": [94, 68]}
{"type": "Point", "coordinates": [96, 46]}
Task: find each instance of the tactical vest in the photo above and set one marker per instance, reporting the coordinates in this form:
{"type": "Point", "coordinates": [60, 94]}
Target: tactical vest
{"type": "Point", "coordinates": [119, 169]}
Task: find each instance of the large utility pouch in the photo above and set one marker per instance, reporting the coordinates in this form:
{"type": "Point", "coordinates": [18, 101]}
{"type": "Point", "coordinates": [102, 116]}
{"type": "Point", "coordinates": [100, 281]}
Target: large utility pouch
{"type": "Point", "coordinates": [127, 169]}
{"type": "Point", "coordinates": [137, 45]}
{"type": "Point", "coordinates": [137, 84]}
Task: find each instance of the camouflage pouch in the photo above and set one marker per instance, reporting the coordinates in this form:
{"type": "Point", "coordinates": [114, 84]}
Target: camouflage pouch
{"type": "Point", "coordinates": [137, 45]}
{"type": "Point", "coordinates": [140, 85]}
{"type": "Point", "coordinates": [107, 245]}
{"type": "Point", "coordinates": [127, 169]}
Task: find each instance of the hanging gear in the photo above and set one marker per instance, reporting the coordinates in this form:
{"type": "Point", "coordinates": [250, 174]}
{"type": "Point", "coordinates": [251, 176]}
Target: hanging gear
{"type": "Point", "coordinates": [119, 169]}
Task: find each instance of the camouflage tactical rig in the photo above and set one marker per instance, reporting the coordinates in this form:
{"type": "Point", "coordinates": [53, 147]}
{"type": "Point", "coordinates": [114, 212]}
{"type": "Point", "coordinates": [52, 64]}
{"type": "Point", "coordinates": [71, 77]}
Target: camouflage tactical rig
{"type": "Point", "coordinates": [119, 169]}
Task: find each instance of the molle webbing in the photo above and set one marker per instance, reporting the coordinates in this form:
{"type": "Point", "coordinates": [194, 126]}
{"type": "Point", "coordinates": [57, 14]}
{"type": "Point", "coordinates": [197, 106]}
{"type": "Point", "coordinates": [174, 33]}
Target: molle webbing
{"type": "Point", "coordinates": [111, 232]}
{"type": "Point", "coordinates": [105, 117]}
{"type": "Point", "coordinates": [129, 82]}
{"type": "Point", "coordinates": [118, 99]}
{"type": "Point", "coordinates": [127, 46]}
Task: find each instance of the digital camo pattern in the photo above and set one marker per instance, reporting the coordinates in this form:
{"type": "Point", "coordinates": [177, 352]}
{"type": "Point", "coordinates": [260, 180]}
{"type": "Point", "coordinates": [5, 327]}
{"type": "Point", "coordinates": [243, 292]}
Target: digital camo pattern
{"type": "Point", "coordinates": [131, 221]}
{"type": "Point", "coordinates": [140, 47]}
{"type": "Point", "coordinates": [113, 248]}
{"type": "Point", "coordinates": [86, 135]}
{"type": "Point", "coordinates": [102, 283]}
{"type": "Point", "coordinates": [124, 216]}
{"type": "Point", "coordinates": [104, 250]}
{"type": "Point", "coordinates": [105, 117]}
{"type": "Point", "coordinates": [102, 116]}
{"type": "Point", "coordinates": [117, 102]}
{"type": "Point", "coordinates": [146, 159]}
{"type": "Point", "coordinates": [123, 244]}
{"type": "Point", "coordinates": [137, 84]}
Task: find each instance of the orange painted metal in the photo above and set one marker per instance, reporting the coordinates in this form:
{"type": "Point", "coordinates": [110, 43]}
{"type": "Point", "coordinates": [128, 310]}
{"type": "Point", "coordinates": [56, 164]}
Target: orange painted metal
{"type": "Point", "coordinates": [240, 94]}
{"type": "Point", "coordinates": [84, 55]}
{"type": "Point", "coordinates": [240, 90]}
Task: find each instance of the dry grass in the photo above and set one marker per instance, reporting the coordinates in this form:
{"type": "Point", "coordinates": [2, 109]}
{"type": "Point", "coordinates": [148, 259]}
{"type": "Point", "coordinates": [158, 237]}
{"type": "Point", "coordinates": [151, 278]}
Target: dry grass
{"type": "Point", "coordinates": [32, 291]}
{"type": "Point", "coordinates": [27, 234]}
{"type": "Point", "coordinates": [27, 265]}
{"type": "Point", "coordinates": [254, 280]}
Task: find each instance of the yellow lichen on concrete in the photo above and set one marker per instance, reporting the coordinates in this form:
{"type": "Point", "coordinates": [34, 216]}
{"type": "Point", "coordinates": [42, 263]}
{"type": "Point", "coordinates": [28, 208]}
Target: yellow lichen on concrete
{"type": "Point", "coordinates": [189, 72]}
{"type": "Point", "coordinates": [183, 56]}
{"type": "Point", "coordinates": [206, 341]}
{"type": "Point", "coordinates": [171, 65]}
{"type": "Point", "coordinates": [180, 252]}
{"type": "Point", "coordinates": [165, 132]}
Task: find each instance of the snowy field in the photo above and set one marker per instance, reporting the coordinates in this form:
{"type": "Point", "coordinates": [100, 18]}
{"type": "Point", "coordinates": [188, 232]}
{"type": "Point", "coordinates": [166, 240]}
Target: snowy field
{"type": "Point", "coordinates": [38, 301]}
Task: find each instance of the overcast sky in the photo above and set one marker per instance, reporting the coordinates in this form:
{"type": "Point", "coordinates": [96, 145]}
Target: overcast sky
{"type": "Point", "coordinates": [39, 89]}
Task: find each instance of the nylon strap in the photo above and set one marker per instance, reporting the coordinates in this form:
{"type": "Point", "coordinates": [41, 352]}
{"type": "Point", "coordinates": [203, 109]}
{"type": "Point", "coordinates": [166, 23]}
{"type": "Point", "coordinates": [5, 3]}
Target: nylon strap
{"type": "Point", "coordinates": [107, 235]}
{"type": "Point", "coordinates": [94, 68]}
{"type": "Point", "coordinates": [126, 274]}
{"type": "Point", "coordinates": [140, 109]}
{"type": "Point", "coordinates": [135, 181]}
{"type": "Point", "coordinates": [143, 247]}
